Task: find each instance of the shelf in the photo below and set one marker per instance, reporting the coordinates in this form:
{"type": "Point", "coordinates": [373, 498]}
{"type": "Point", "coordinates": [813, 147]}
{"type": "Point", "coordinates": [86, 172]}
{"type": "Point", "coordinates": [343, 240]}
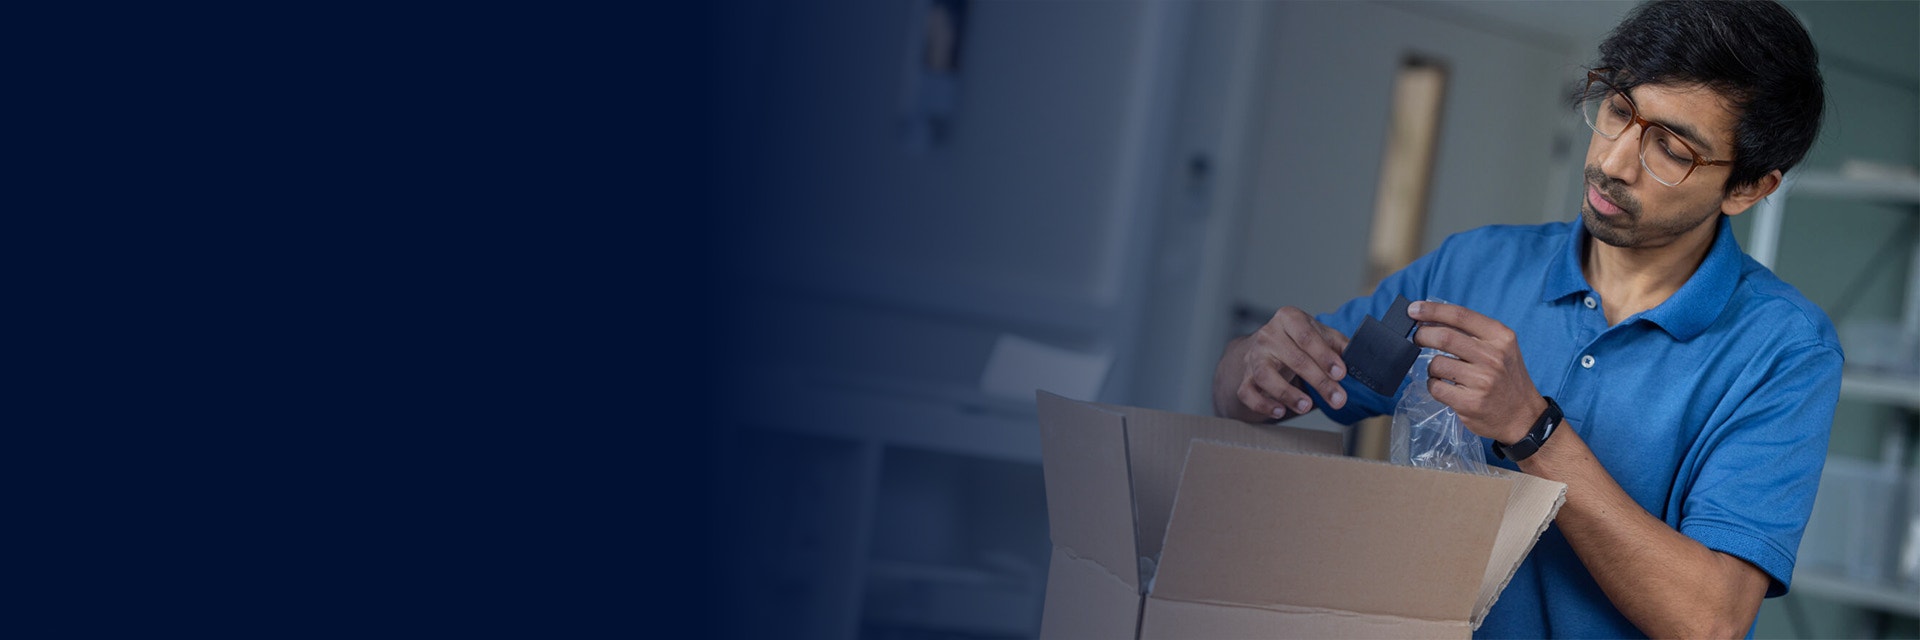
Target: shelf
{"type": "Point", "coordinates": [1902, 390]}
{"type": "Point", "coordinates": [1066, 307]}
{"type": "Point", "coordinates": [1765, 240]}
{"type": "Point", "coordinates": [930, 417]}
{"type": "Point", "coordinates": [959, 601]}
{"type": "Point", "coordinates": [1884, 597]}
{"type": "Point", "coordinates": [1837, 185]}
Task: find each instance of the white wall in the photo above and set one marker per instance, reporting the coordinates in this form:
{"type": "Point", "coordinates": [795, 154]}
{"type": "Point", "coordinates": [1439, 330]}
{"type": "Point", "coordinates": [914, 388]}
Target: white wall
{"type": "Point", "coordinates": [1021, 222]}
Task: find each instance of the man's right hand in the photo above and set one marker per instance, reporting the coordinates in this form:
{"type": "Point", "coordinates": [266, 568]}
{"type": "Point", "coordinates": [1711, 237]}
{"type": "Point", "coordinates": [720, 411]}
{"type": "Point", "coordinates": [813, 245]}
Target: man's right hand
{"type": "Point", "coordinates": [1262, 377]}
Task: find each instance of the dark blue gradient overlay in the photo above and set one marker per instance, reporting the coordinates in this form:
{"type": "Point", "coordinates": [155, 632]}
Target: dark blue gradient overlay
{"type": "Point", "coordinates": [883, 221]}
{"type": "Point", "coordinates": [573, 321]}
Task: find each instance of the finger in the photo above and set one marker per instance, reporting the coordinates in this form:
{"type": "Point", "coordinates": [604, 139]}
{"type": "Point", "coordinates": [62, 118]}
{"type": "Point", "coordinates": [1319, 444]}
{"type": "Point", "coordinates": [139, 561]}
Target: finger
{"type": "Point", "coordinates": [1335, 339]}
{"type": "Point", "coordinates": [1307, 372]}
{"type": "Point", "coordinates": [1271, 384]}
{"type": "Point", "coordinates": [1449, 339]}
{"type": "Point", "coordinates": [1306, 333]}
{"type": "Point", "coordinates": [1458, 372]}
{"type": "Point", "coordinates": [1283, 346]}
{"type": "Point", "coordinates": [1323, 353]}
{"type": "Point", "coordinates": [1250, 393]}
{"type": "Point", "coordinates": [1312, 359]}
{"type": "Point", "coordinates": [1259, 402]}
{"type": "Point", "coordinates": [1444, 369]}
{"type": "Point", "coordinates": [1447, 393]}
{"type": "Point", "coordinates": [1466, 320]}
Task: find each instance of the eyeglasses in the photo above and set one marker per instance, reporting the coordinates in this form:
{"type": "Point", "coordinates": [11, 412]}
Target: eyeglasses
{"type": "Point", "coordinates": [1609, 112]}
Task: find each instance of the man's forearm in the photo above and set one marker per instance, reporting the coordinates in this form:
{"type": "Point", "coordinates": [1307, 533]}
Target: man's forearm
{"type": "Point", "coordinates": [1667, 584]}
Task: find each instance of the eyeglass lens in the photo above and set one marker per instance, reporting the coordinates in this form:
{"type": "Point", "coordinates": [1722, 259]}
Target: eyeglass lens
{"type": "Point", "coordinates": [1610, 113]}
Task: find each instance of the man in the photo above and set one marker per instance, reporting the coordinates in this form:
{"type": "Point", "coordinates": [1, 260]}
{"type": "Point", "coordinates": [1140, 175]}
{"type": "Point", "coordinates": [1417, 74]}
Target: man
{"type": "Point", "coordinates": [1697, 388]}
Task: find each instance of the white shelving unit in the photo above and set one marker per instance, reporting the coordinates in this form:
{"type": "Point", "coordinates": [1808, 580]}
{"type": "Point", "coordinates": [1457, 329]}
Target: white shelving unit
{"type": "Point", "coordinates": [915, 506]}
{"type": "Point", "coordinates": [1772, 212]}
{"type": "Point", "coordinates": [1902, 391]}
{"type": "Point", "coordinates": [890, 412]}
{"type": "Point", "coordinates": [1895, 389]}
{"type": "Point", "coordinates": [1882, 596]}
{"type": "Point", "coordinates": [1872, 386]}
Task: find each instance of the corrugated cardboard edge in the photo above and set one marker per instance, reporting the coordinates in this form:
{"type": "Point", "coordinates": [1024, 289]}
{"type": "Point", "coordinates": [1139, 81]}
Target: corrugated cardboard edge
{"type": "Point", "coordinates": [1197, 619]}
{"type": "Point", "coordinates": [1510, 550]}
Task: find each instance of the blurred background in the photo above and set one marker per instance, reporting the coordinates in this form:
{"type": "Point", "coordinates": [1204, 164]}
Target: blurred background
{"type": "Point", "coordinates": [937, 206]}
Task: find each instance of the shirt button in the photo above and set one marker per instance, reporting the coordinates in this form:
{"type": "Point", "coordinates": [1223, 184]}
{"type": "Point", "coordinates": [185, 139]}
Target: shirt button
{"type": "Point", "coordinates": [1590, 302]}
{"type": "Point", "coordinates": [1586, 361]}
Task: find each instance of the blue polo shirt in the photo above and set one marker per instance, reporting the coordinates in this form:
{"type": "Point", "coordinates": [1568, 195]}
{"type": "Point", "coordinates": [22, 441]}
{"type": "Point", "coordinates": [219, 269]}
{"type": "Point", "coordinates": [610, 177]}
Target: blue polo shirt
{"type": "Point", "coordinates": [1711, 410]}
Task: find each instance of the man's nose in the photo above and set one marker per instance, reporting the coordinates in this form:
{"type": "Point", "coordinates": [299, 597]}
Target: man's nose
{"type": "Point", "coordinates": [1621, 159]}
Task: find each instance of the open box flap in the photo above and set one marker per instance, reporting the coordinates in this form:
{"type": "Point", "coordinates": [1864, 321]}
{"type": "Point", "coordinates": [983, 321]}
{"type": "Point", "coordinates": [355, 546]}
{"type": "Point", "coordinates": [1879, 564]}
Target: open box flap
{"type": "Point", "coordinates": [1084, 600]}
{"type": "Point", "coordinates": [1291, 531]}
{"type": "Point", "coordinates": [1089, 496]}
{"type": "Point", "coordinates": [1157, 450]}
{"type": "Point", "coordinates": [1531, 506]}
{"type": "Point", "coordinates": [1093, 580]}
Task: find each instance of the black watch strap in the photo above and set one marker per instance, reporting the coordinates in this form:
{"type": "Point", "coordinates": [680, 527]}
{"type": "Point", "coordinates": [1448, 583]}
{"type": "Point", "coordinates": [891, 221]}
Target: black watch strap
{"type": "Point", "coordinates": [1543, 428]}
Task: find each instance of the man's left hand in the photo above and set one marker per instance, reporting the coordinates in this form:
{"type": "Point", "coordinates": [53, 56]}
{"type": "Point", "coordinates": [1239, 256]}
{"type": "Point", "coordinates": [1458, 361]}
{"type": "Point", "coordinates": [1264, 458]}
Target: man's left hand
{"type": "Point", "coordinates": [1487, 385]}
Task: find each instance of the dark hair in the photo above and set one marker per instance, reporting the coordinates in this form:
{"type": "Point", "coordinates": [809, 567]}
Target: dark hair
{"type": "Point", "coordinates": [1754, 53]}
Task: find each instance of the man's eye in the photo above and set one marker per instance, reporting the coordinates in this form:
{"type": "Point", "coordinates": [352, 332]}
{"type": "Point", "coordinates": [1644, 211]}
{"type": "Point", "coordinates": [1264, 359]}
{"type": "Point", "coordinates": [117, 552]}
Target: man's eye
{"type": "Point", "coordinates": [1679, 155]}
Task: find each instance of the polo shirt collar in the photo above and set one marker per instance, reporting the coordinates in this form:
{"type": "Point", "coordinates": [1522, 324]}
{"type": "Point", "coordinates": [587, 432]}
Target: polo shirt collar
{"type": "Point", "coordinates": [1699, 302]}
{"type": "Point", "coordinates": [1684, 315]}
{"type": "Point", "coordinates": [1564, 276]}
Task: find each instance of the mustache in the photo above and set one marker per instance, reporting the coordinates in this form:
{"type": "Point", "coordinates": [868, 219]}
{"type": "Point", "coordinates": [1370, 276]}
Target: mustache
{"type": "Point", "coordinates": [1613, 189]}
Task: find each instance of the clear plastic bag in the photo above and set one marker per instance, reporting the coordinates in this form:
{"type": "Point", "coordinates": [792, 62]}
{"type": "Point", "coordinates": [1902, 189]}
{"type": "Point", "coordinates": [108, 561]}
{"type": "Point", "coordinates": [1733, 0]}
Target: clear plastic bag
{"type": "Point", "coordinates": [1428, 434]}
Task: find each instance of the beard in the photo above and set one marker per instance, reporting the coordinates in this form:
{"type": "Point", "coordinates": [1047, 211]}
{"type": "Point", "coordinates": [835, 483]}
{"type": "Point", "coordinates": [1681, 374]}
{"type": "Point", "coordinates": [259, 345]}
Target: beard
{"type": "Point", "coordinates": [1629, 229]}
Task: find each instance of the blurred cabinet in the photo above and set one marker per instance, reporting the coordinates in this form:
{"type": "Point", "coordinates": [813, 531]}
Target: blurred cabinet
{"type": "Point", "coordinates": [877, 509]}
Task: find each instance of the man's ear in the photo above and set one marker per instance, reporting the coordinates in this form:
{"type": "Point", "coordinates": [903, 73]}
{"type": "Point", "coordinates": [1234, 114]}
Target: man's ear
{"type": "Point", "coordinates": [1742, 198]}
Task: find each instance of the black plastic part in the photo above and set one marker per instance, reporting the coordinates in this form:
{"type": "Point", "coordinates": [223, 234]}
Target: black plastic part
{"type": "Point", "coordinates": [1381, 353]}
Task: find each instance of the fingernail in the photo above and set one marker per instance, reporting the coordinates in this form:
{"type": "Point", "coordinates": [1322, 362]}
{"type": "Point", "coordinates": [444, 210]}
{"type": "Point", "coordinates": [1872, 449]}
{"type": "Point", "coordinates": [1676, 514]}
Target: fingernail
{"type": "Point", "coordinates": [1337, 371]}
{"type": "Point", "coordinates": [1415, 308]}
{"type": "Point", "coordinates": [1339, 398]}
{"type": "Point", "coordinates": [1303, 405]}
{"type": "Point", "coordinates": [1279, 412]}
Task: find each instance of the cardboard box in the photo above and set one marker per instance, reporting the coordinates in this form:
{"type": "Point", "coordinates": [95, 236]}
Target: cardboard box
{"type": "Point", "coordinates": [1175, 526]}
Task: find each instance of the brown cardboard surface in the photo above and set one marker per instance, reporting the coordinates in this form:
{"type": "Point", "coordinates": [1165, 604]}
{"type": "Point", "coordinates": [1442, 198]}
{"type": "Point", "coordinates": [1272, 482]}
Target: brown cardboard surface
{"type": "Point", "coordinates": [1085, 601]}
{"type": "Point", "coordinates": [1179, 620]}
{"type": "Point", "coordinates": [1157, 450]}
{"type": "Point", "coordinates": [1257, 541]}
{"type": "Point", "coordinates": [1089, 493]}
{"type": "Point", "coordinates": [1269, 528]}
{"type": "Point", "coordinates": [1531, 505]}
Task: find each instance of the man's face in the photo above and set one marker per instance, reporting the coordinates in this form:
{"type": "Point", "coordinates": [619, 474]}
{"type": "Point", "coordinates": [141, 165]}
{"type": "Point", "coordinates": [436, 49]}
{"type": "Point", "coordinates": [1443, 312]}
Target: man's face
{"type": "Point", "coordinates": [1623, 205]}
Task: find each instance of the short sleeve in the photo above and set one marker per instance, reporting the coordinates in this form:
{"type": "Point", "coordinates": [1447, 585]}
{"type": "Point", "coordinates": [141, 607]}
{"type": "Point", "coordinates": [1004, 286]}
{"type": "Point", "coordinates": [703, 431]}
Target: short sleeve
{"type": "Point", "coordinates": [1413, 281]}
{"type": "Point", "coordinates": [1754, 485]}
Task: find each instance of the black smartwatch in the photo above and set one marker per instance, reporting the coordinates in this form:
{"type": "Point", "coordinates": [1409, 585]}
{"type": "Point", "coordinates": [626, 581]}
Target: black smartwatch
{"type": "Point", "coordinates": [1543, 428]}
